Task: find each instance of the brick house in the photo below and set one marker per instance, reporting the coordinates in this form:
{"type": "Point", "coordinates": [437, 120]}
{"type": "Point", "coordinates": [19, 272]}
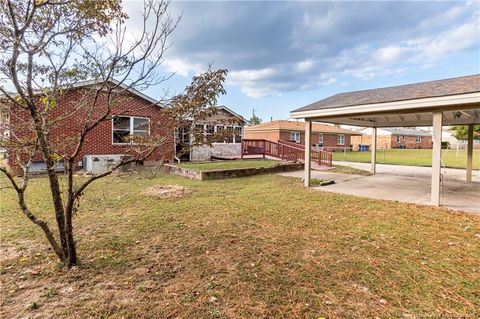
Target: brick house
{"type": "Point", "coordinates": [327, 137]}
{"type": "Point", "coordinates": [390, 138]}
{"type": "Point", "coordinates": [134, 114]}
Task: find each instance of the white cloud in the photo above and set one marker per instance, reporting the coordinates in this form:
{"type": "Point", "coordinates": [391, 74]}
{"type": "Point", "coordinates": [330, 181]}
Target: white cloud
{"type": "Point", "coordinates": [389, 54]}
{"type": "Point", "coordinates": [182, 67]}
{"type": "Point", "coordinates": [251, 75]}
{"type": "Point", "coordinates": [304, 66]}
{"type": "Point", "coordinates": [456, 39]}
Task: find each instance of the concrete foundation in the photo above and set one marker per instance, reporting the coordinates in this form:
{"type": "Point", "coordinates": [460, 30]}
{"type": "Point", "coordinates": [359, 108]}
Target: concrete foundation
{"type": "Point", "coordinates": [205, 153]}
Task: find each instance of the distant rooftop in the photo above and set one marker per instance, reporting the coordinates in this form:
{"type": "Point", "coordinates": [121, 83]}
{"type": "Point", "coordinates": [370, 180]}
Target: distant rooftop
{"type": "Point", "coordinates": [406, 131]}
{"type": "Point", "coordinates": [299, 126]}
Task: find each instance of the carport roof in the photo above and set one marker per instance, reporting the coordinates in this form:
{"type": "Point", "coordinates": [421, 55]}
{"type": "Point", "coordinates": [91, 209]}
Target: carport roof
{"type": "Point", "coordinates": [401, 106]}
{"type": "Point", "coordinates": [453, 86]}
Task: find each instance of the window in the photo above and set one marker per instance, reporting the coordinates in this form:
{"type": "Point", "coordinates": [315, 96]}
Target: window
{"type": "Point", "coordinates": [209, 131]}
{"type": "Point", "coordinates": [230, 138]}
{"type": "Point", "coordinates": [398, 137]}
{"type": "Point", "coordinates": [183, 135]}
{"type": "Point", "coordinates": [295, 136]}
{"type": "Point", "coordinates": [320, 138]}
{"type": "Point", "coordinates": [418, 139]}
{"type": "Point", "coordinates": [238, 134]}
{"type": "Point", "coordinates": [341, 139]}
{"type": "Point", "coordinates": [126, 127]}
{"type": "Point", "coordinates": [199, 132]}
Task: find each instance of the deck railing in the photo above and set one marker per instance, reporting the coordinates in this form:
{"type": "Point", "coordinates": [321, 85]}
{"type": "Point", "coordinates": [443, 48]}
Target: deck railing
{"type": "Point", "coordinates": [285, 150]}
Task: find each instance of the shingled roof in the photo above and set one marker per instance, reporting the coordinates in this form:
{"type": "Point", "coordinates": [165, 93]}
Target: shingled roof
{"type": "Point", "coordinates": [453, 86]}
{"type": "Point", "coordinates": [284, 125]}
{"type": "Point", "coordinates": [406, 131]}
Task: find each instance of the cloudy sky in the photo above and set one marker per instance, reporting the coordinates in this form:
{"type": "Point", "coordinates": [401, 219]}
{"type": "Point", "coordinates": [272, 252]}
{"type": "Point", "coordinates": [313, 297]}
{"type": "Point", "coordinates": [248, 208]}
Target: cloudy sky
{"type": "Point", "coordinates": [284, 55]}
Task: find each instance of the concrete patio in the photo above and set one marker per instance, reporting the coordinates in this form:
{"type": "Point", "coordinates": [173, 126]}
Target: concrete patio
{"type": "Point", "coordinates": [410, 184]}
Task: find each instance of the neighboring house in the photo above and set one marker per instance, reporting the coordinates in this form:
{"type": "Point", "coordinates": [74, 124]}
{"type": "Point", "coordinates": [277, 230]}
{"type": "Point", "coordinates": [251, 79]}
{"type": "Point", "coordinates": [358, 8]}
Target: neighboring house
{"type": "Point", "coordinates": [230, 147]}
{"type": "Point", "coordinates": [134, 114]}
{"type": "Point", "coordinates": [390, 138]}
{"type": "Point", "coordinates": [327, 137]}
{"type": "Point", "coordinates": [449, 137]}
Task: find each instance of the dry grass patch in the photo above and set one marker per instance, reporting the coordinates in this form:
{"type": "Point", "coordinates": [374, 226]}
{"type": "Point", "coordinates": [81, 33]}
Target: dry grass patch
{"type": "Point", "coordinates": [166, 191]}
{"type": "Point", "coordinates": [245, 248]}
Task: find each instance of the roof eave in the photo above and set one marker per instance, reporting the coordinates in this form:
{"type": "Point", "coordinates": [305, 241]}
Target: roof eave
{"type": "Point", "coordinates": [379, 108]}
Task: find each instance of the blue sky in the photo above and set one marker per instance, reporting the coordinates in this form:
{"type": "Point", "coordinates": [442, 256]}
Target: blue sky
{"type": "Point", "coordinates": [284, 55]}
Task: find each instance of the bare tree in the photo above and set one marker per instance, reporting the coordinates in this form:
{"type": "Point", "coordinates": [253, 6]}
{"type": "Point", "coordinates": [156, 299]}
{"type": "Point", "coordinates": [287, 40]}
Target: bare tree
{"type": "Point", "coordinates": [47, 47]}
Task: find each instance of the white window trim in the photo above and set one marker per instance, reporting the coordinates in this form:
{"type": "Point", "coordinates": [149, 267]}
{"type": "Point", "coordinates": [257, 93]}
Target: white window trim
{"type": "Point", "coordinates": [398, 139]}
{"type": "Point", "coordinates": [235, 137]}
{"type": "Point", "coordinates": [130, 128]}
{"type": "Point", "coordinates": [418, 139]}
{"type": "Point", "coordinates": [224, 127]}
{"type": "Point", "coordinates": [338, 139]}
{"type": "Point", "coordinates": [320, 138]}
{"type": "Point", "coordinates": [293, 134]}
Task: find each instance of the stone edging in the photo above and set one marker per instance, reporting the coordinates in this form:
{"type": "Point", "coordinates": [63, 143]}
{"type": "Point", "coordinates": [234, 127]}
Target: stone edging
{"type": "Point", "coordinates": [230, 173]}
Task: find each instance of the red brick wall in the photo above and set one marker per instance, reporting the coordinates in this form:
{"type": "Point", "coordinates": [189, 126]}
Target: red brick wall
{"type": "Point", "coordinates": [390, 141]}
{"type": "Point", "coordinates": [383, 141]}
{"type": "Point", "coordinates": [64, 134]}
{"type": "Point", "coordinates": [410, 142]}
{"type": "Point", "coordinates": [329, 140]}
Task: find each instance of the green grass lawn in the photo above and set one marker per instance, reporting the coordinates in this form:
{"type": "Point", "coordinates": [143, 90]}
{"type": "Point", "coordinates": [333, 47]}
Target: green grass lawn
{"type": "Point", "coordinates": [412, 157]}
{"type": "Point", "coordinates": [254, 247]}
{"type": "Point", "coordinates": [208, 166]}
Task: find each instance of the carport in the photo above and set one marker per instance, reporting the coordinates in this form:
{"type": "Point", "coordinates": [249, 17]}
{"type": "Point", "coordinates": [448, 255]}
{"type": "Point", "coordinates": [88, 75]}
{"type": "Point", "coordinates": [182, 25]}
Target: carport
{"type": "Point", "coordinates": [454, 101]}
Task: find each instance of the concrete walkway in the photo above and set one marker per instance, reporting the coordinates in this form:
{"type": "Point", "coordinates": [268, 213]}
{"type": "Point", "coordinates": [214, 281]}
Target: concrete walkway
{"type": "Point", "coordinates": [409, 184]}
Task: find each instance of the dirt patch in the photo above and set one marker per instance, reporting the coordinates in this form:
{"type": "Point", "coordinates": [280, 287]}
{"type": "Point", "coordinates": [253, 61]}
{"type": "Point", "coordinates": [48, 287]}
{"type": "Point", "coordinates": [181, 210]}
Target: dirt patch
{"type": "Point", "coordinates": [166, 191]}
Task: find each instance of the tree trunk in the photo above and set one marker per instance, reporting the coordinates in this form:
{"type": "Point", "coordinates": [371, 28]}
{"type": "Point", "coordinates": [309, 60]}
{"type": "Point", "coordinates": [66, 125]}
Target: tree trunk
{"type": "Point", "coordinates": [53, 180]}
{"type": "Point", "coordinates": [71, 246]}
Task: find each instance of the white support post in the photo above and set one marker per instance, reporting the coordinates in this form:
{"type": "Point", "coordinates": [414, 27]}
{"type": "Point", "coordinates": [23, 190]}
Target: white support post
{"type": "Point", "coordinates": [470, 153]}
{"type": "Point", "coordinates": [436, 157]}
{"type": "Point", "coordinates": [373, 149]}
{"type": "Point", "coordinates": [308, 134]}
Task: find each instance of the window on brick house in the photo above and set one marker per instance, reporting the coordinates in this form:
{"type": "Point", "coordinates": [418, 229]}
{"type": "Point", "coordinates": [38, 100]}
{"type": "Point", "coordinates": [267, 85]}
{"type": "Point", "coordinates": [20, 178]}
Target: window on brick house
{"type": "Point", "coordinates": [341, 139]}
{"type": "Point", "coordinates": [418, 139]}
{"type": "Point", "coordinates": [126, 127]}
{"type": "Point", "coordinates": [320, 138]}
{"type": "Point", "coordinates": [398, 138]}
{"type": "Point", "coordinates": [295, 136]}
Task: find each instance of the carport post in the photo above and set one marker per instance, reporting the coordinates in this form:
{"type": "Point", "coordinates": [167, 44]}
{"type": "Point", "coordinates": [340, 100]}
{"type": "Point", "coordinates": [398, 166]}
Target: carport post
{"type": "Point", "coordinates": [308, 133]}
{"type": "Point", "coordinates": [470, 153]}
{"type": "Point", "coordinates": [374, 150]}
{"type": "Point", "coordinates": [436, 157]}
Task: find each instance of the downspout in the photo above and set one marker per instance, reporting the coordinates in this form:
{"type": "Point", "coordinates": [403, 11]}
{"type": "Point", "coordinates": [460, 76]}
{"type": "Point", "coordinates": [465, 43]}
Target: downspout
{"type": "Point", "coordinates": [175, 146]}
